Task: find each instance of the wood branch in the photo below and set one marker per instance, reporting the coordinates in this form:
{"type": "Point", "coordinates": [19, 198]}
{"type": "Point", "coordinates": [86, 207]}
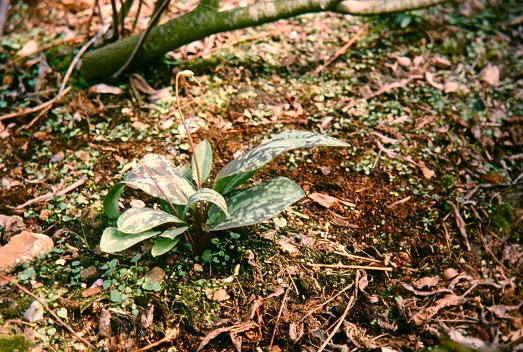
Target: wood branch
{"type": "Point", "coordinates": [101, 63]}
{"type": "Point", "coordinates": [48, 196]}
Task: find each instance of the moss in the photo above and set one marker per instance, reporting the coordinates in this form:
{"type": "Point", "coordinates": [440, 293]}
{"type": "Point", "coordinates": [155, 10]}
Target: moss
{"type": "Point", "coordinates": [17, 343]}
{"type": "Point", "coordinates": [448, 181]}
{"type": "Point", "coordinates": [503, 218]}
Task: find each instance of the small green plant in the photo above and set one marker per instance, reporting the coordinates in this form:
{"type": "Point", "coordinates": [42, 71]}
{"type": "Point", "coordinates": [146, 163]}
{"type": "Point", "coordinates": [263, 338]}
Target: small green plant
{"type": "Point", "coordinates": [188, 208]}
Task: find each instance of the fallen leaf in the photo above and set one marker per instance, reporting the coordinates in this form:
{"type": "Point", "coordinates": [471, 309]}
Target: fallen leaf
{"type": "Point", "coordinates": [220, 295]}
{"type": "Point", "coordinates": [91, 291]}
{"type": "Point", "coordinates": [404, 61]}
{"type": "Point", "coordinates": [140, 84]}
{"type": "Point", "coordinates": [441, 61]}
{"type": "Point", "coordinates": [490, 75]}
{"type": "Point", "coordinates": [450, 273]}
{"type": "Point", "coordinates": [428, 282]}
{"type": "Point", "coordinates": [11, 225]}
{"type": "Point", "coordinates": [105, 89]}
{"type": "Point", "coordinates": [104, 324]}
{"type": "Point", "coordinates": [427, 313]}
{"type": "Point", "coordinates": [430, 79]}
{"type": "Point", "coordinates": [233, 329]}
{"type": "Point", "coordinates": [57, 157]}
{"type": "Point", "coordinates": [30, 48]}
{"type": "Point", "coordinates": [427, 173]}
{"type": "Point", "coordinates": [287, 246]}
{"type": "Point", "coordinates": [468, 341]}
{"type": "Point", "coordinates": [328, 201]}
{"type": "Point", "coordinates": [453, 87]}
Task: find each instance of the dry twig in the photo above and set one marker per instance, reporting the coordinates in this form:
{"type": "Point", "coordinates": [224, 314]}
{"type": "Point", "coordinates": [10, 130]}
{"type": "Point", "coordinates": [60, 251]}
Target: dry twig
{"type": "Point", "coordinates": [56, 317]}
{"type": "Point", "coordinates": [343, 266]}
{"type": "Point", "coordinates": [50, 195]}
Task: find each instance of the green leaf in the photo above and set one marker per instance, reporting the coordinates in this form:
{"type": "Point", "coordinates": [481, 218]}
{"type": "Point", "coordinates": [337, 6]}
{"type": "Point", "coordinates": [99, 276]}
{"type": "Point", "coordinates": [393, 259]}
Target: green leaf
{"type": "Point", "coordinates": [283, 142]}
{"type": "Point", "coordinates": [209, 195]}
{"type": "Point", "coordinates": [163, 245]}
{"type": "Point", "coordinates": [203, 157]}
{"type": "Point", "coordinates": [156, 176]}
{"type": "Point", "coordinates": [113, 241]}
{"type": "Point", "coordinates": [111, 208]}
{"type": "Point", "coordinates": [136, 220]}
{"type": "Point", "coordinates": [256, 204]}
{"type": "Point", "coordinates": [186, 172]}
{"type": "Point", "coordinates": [173, 233]}
{"type": "Point", "coordinates": [229, 183]}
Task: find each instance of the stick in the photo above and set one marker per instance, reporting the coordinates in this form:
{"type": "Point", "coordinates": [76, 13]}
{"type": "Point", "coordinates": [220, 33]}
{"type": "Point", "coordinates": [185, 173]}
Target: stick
{"type": "Point", "coordinates": [326, 302]}
{"type": "Point", "coordinates": [50, 195]}
{"type": "Point", "coordinates": [171, 335]}
{"type": "Point", "coordinates": [345, 312]}
{"type": "Point", "coordinates": [4, 9]}
{"type": "Point", "coordinates": [49, 310]}
{"type": "Point", "coordinates": [343, 266]}
{"type": "Point", "coordinates": [61, 92]}
{"type": "Point", "coordinates": [283, 302]}
{"type": "Point", "coordinates": [344, 48]}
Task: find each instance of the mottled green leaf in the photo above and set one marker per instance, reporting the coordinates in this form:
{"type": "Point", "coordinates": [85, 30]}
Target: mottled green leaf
{"type": "Point", "coordinates": [163, 245]}
{"type": "Point", "coordinates": [229, 183]}
{"type": "Point", "coordinates": [203, 156]}
{"type": "Point", "coordinates": [283, 142]}
{"type": "Point", "coordinates": [156, 176]}
{"type": "Point", "coordinates": [256, 204]}
{"type": "Point", "coordinates": [186, 172]}
{"type": "Point", "coordinates": [209, 195]}
{"type": "Point", "coordinates": [113, 241]}
{"type": "Point", "coordinates": [136, 220]}
{"type": "Point", "coordinates": [173, 233]}
{"type": "Point", "coordinates": [111, 208]}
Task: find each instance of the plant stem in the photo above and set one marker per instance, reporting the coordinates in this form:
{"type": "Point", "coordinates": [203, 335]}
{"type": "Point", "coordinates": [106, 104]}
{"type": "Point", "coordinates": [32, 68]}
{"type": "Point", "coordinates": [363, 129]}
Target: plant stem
{"type": "Point", "coordinates": [187, 130]}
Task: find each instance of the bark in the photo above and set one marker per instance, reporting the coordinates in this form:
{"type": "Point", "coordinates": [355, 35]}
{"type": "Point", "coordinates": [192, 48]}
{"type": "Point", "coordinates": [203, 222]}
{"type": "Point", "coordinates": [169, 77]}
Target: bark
{"type": "Point", "coordinates": [205, 20]}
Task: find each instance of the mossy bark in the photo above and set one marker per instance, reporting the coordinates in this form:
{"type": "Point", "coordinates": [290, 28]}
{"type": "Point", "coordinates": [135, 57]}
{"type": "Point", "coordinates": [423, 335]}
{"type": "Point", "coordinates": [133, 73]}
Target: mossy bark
{"type": "Point", "coordinates": [205, 20]}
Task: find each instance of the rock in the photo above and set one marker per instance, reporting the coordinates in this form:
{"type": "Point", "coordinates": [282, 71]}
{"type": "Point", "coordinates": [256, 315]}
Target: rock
{"type": "Point", "coordinates": [23, 248]}
{"type": "Point", "coordinates": [155, 274]}
{"type": "Point", "coordinates": [88, 273]}
{"type": "Point", "coordinates": [490, 75]}
{"type": "Point", "coordinates": [35, 312]}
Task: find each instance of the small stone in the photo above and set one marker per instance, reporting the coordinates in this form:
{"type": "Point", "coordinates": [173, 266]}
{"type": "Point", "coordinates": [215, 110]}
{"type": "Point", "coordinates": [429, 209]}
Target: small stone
{"type": "Point", "coordinates": [35, 312]}
{"type": "Point", "coordinates": [23, 248]}
{"type": "Point", "coordinates": [88, 273]}
{"type": "Point", "coordinates": [155, 274]}
{"type": "Point", "coordinates": [450, 273]}
{"type": "Point", "coordinates": [404, 61]}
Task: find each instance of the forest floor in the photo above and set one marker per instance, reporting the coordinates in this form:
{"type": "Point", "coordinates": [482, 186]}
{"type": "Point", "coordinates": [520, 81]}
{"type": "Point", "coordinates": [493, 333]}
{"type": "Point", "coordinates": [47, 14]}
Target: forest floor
{"type": "Point", "coordinates": [419, 245]}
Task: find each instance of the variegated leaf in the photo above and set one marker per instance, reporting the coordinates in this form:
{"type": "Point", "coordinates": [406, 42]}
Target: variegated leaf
{"type": "Point", "coordinates": [229, 183]}
{"type": "Point", "coordinates": [283, 142]}
{"type": "Point", "coordinates": [163, 245]}
{"type": "Point", "coordinates": [203, 157]}
{"type": "Point", "coordinates": [256, 204]}
{"type": "Point", "coordinates": [113, 241]}
{"type": "Point", "coordinates": [210, 195]}
{"type": "Point", "coordinates": [157, 176]}
{"type": "Point", "coordinates": [186, 172]}
{"type": "Point", "coordinates": [136, 220]}
{"type": "Point", "coordinates": [173, 233]}
{"type": "Point", "coordinates": [111, 208]}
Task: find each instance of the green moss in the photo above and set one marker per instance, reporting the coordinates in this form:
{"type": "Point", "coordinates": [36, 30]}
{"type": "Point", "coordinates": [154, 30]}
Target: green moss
{"type": "Point", "coordinates": [448, 181]}
{"type": "Point", "coordinates": [503, 218]}
{"type": "Point", "coordinates": [17, 343]}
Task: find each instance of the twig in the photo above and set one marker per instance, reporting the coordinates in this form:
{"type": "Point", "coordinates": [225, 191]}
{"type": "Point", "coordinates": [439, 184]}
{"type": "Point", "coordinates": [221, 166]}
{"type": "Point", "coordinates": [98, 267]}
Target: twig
{"type": "Point", "coordinates": [460, 223]}
{"type": "Point", "coordinates": [4, 9]}
{"type": "Point", "coordinates": [49, 310]}
{"type": "Point", "coordinates": [345, 312]}
{"type": "Point", "coordinates": [142, 39]}
{"type": "Point", "coordinates": [61, 92]}
{"type": "Point", "coordinates": [343, 49]}
{"type": "Point", "coordinates": [50, 195]}
{"type": "Point", "coordinates": [326, 302]}
{"type": "Point", "coordinates": [401, 201]}
{"type": "Point", "coordinates": [283, 302]}
{"type": "Point", "coordinates": [343, 266]}
{"type": "Point", "coordinates": [171, 335]}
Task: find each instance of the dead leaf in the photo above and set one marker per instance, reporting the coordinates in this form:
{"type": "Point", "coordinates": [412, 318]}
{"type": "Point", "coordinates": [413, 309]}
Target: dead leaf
{"type": "Point", "coordinates": [295, 331]}
{"type": "Point", "coordinates": [427, 173]}
{"type": "Point", "coordinates": [425, 293]}
{"type": "Point", "coordinates": [220, 295]}
{"type": "Point", "coordinates": [104, 324]}
{"type": "Point", "coordinates": [233, 329]}
{"type": "Point", "coordinates": [453, 87]}
{"type": "Point", "coordinates": [30, 48]}
{"type": "Point", "coordinates": [287, 246]}
{"type": "Point", "coordinates": [490, 75]}
{"type": "Point", "coordinates": [428, 282]}
{"type": "Point", "coordinates": [468, 341]}
{"type": "Point", "coordinates": [140, 84]}
{"type": "Point", "coordinates": [147, 317]}
{"type": "Point", "coordinates": [450, 273]}
{"type": "Point", "coordinates": [441, 61]}
{"type": "Point", "coordinates": [430, 79]}
{"type": "Point", "coordinates": [358, 336]}
{"type": "Point", "coordinates": [385, 139]}
{"type": "Point", "coordinates": [105, 89]}
{"type": "Point", "coordinates": [10, 225]}
{"type": "Point", "coordinates": [427, 313]}
{"type": "Point", "coordinates": [501, 311]}
{"type": "Point", "coordinates": [328, 201]}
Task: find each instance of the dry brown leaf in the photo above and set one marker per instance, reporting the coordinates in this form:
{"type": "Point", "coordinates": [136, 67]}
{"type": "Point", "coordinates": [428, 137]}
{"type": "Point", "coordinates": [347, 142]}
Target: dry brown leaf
{"type": "Point", "coordinates": [220, 295]}
{"type": "Point", "coordinates": [428, 282]}
{"type": "Point", "coordinates": [105, 89]}
{"type": "Point", "coordinates": [140, 84]}
{"type": "Point", "coordinates": [427, 313]}
{"type": "Point", "coordinates": [30, 48]}
{"type": "Point", "coordinates": [453, 87]}
{"type": "Point", "coordinates": [287, 246]}
{"type": "Point", "coordinates": [233, 329]}
{"type": "Point", "coordinates": [10, 225]}
{"type": "Point", "coordinates": [441, 61]}
{"type": "Point", "coordinates": [328, 201]}
{"type": "Point", "coordinates": [427, 173]}
{"type": "Point", "coordinates": [490, 75]}
{"type": "Point", "coordinates": [430, 79]}
{"type": "Point", "coordinates": [404, 61]}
